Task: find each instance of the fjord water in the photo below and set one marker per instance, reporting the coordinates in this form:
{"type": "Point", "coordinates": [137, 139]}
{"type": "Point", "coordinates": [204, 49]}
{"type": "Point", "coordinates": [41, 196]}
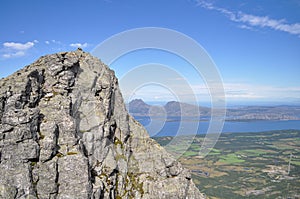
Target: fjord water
{"type": "Point", "coordinates": [170, 127]}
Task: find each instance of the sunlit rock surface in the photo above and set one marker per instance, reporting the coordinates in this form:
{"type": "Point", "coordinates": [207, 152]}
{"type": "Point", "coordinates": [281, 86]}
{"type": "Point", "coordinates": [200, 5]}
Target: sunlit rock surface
{"type": "Point", "coordinates": [65, 133]}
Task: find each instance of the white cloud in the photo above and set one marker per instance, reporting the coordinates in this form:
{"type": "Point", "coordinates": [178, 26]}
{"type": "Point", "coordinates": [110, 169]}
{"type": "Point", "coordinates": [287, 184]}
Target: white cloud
{"type": "Point", "coordinates": [248, 91]}
{"type": "Point", "coordinates": [244, 92]}
{"type": "Point", "coordinates": [56, 42]}
{"type": "Point", "coordinates": [79, 45]}
{"type": "Point", "coordinates": [271, 23]}
{"type": "Point", "coordinates": [234, 92]}
{"type": "Point", "coordinates": [14, 54]}
{"type": "Point", "coordinates": [243, 26]}
{"type": "Point", "coordinates": [249, 20]}
{"type": "Point", "coordinates": [53, 41]}
{"type": "Point", "coordinates": [15, 49]}
{"type": "Point", "coordinates": [18, 46]}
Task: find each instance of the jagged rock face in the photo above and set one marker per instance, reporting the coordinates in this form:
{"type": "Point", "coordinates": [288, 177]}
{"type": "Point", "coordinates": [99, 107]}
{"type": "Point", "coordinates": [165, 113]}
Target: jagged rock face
{"type": "Point", "coordinates": [65, 133]}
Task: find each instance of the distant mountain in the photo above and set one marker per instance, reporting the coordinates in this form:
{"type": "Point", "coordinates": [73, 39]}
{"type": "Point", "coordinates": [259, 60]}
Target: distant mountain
{"type": "Point", "coordinates": [174, 108]}
{"type": "Point", "coordinates": [138, 107]}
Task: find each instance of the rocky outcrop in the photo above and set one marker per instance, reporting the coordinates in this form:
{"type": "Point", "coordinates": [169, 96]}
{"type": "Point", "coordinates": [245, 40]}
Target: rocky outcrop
{"type": "Point", "coordinates": [65, 133]}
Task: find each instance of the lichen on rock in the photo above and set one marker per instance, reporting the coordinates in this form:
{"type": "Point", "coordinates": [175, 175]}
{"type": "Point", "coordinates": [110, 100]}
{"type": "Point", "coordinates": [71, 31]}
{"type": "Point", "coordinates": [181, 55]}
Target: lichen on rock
{"type": "Point", "coordinates": [65, 133]}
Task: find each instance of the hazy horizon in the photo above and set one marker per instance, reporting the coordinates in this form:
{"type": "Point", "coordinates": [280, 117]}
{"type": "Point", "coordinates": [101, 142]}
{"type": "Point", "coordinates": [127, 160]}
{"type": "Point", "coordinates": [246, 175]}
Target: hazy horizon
{"type": "Point", "coordinates": [229, 104]}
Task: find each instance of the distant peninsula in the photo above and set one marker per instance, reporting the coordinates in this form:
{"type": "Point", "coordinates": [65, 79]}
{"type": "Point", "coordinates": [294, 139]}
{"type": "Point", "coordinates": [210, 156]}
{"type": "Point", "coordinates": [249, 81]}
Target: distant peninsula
{"type": "Point", "coordinates": [138, 107]}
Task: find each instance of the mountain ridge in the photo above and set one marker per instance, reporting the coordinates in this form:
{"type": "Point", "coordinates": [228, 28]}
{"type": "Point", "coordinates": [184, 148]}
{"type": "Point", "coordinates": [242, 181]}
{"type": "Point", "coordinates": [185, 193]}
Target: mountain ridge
{"type": "Point", "coordinates": [176, 109]}
{"type": "Point", "coordinates": [65, 133]}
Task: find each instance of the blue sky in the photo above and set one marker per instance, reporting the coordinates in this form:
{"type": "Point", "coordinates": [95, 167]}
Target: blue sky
{"type": "Point", "coordinates": [255, 44]}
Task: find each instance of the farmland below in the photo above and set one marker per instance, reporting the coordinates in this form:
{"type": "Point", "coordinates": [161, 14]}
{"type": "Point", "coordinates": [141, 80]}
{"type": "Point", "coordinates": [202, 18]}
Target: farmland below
{"type": "Point", "coordinates": [252, 165]}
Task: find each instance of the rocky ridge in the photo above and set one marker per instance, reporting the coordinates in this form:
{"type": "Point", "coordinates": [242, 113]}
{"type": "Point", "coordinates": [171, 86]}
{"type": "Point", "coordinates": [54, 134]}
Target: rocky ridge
{"type": "Point", "coordinates": [65, 133]}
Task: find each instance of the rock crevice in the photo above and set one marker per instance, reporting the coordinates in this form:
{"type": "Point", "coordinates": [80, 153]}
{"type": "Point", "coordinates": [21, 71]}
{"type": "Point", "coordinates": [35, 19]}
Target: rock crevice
{"type": "Point", "coordinates": [65, 133]}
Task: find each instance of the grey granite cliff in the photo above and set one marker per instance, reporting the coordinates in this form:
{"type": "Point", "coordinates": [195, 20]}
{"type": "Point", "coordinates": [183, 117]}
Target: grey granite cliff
{"type": "Point", "coordinates": [65, 133]}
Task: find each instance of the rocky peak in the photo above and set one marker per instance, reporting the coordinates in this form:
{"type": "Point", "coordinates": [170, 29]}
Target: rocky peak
{"type": "Point", "coordinates": [138, 106]}
{"type": "Point", "coordinates": [65, 133]}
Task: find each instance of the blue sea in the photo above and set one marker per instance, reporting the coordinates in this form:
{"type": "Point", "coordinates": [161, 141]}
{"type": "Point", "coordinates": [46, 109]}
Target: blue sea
{"type": "Point", "coordinates": [191, 126]}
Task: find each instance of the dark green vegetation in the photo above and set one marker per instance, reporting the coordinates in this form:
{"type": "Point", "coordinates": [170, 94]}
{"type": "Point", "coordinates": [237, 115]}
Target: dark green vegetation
{"type": "Point", "coordinates": [245, 165]}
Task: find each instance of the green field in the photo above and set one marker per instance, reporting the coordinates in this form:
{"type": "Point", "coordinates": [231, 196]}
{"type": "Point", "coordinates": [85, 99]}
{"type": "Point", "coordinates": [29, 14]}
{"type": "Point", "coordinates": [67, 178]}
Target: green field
{"type": "Point", "coordinates": [245, 165]}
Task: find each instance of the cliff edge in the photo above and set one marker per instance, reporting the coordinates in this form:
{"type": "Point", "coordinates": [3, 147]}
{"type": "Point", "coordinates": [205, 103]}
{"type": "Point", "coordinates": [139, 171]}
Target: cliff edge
{"type": "Point", "coordinates": [65, 133]}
